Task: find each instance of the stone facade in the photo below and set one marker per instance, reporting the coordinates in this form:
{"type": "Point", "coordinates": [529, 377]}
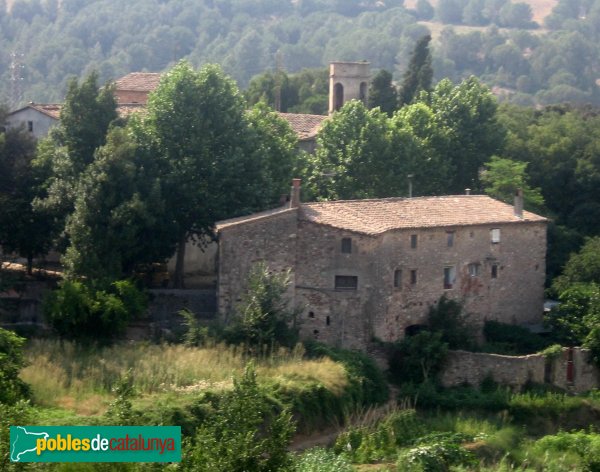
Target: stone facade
{"type": "Point", "coordinates": [348, 81]}
{"type": "Point", "coordinates": [353, 287]}
{"type": "Point", "coordinates": [571, 370]}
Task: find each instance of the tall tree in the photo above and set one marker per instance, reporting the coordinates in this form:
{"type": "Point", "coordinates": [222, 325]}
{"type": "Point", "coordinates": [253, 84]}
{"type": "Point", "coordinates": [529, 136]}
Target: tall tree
{"type": "Point", "coordinates": [120, 218]}
{"type": "Point", "coordinates": [419, 74]}
{"type": "Point", "coordinates": [85, 118]}
{"type": "Point", "coordinates": [383, 93]}
{"type": "Point", "coordinates": [196, 122]}
{"type": "Point", "coordinates": [22, 230]}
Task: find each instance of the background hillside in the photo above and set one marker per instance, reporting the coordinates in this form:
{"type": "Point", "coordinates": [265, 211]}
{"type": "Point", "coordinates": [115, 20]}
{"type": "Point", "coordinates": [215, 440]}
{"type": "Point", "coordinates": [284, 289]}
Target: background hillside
{"type": "Point", "coordinates": [44, 42]}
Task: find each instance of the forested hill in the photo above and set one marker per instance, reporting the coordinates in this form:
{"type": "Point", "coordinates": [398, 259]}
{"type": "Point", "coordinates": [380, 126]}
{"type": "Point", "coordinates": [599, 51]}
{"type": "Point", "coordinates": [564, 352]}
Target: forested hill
{"type": "Point", "coordinates": [44, 42]}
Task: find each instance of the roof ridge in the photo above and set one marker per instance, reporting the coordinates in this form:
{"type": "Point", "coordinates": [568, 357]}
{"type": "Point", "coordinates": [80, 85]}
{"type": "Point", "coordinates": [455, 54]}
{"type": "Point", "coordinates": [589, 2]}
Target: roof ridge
{"type": "Point", "coordinates": [393, 199]}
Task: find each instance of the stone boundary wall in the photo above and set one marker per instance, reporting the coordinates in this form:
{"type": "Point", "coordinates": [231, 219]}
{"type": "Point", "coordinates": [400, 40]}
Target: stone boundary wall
{"type": "Point", "coordinates": [570, 370]}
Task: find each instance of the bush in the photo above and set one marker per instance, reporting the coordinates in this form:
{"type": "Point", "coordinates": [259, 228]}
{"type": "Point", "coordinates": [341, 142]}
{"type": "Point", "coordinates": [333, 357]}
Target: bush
{"type": "Point", "coordinates": [12, 388]}
{"type": "Point", "coordinates": [368, 385]}
{"type": "Point", "coordinates": [447, 317]}
{"type": "Point", "coordinates": [435, 455]}
{"type": "Point", "coordinates": [503, 338]}
{"type": "Point", "coordinates": [418, 358]}
{"type": "Point", "coordinates": [263, 317]}
{"type": "Point", "coordinates": [322, 460]}
{"type": "Point", "coordinates": [245, 433]}
{"type": "Point", "coordinates": [77, 311]}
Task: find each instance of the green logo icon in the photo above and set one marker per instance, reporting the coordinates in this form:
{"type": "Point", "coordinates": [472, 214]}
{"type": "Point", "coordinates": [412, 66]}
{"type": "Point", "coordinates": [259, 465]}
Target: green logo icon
{"type": "Point", "coordinates": [95, 443]}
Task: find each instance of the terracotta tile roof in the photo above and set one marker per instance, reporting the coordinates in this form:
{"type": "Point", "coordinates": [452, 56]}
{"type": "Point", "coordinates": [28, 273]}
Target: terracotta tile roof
{"type": "Point", "coordinates": [305, 126]}
{"type": "Point", "coordinates": [253, 217]}
{"type": "Point", "coordinates": [139, 81]}
{"type": "Point", "coordinates": [378, 216]}
{"type": "Point", "coordinates": [50, 109]}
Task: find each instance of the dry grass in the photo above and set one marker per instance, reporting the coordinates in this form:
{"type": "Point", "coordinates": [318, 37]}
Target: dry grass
{"type": "Point", "coordinates": [540, 8]}
{"type": "Point", "coordinates": [62, 374]}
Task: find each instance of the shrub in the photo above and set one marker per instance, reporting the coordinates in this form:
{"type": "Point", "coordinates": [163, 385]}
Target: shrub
{"type": "Point", "coordinates": [435, 456]}
{"type": "Point", "coordinates": [368, 385]}
{"type": "Point", "coordinates": [511, 339]}
{"type": "Point", "coordinates": [447, 317]}
{"type": "Point", "coordinates": [322, 460]}
{"type": "Point", "coordinates": [418, 358]}
{"type": "Point", "coordinates": [263, 317]}
{"type": "Point", "coordinates": [77, 311]}
{"type": "Point", "coordinates": [245, 433]}
{"type": "Point", "coordinates": [18, 414]}
{"type": "Point", "coordinates": [12, 388]}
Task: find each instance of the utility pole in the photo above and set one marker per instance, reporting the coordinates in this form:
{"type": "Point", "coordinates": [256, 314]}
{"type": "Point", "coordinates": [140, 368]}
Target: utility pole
{"type": "Point", "coordinates": [16, 79]}
{"type": "Point", "coordinates": [278, 73]}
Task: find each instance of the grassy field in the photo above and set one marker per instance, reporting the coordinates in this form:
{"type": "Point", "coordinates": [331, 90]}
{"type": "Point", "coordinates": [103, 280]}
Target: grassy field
{"type": "Point", "coordinates": [63, 375]}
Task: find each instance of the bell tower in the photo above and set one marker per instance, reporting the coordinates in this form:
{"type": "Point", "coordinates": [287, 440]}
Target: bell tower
{"type": "Point", "coordinates": [348, 81]}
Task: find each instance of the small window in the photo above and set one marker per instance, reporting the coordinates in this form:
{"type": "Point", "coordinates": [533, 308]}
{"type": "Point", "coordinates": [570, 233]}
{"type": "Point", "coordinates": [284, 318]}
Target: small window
{"type": "Point", "coordinates": [346, 245]}
{"type": "Point", "coordinates": [495, 235]}
{"type": "Point", "coordinates": [495, 271]}
{"type": "Point", "coordinates": [449, 276]}
{"type": "Point", "coordinates": [474, 270]}
{"type": "Point", "coordinates": [413, 241]}
{"type": "Point", "coordinates": [450, 238]}
{"type": "Point", "coordinates": [398, 278]}
{"type": "Point", "coordinates": [413, 277]}
{"type": "Point", "coordinates": [30, 126]}
{"type": "Point", "coordinates": [346, 282]}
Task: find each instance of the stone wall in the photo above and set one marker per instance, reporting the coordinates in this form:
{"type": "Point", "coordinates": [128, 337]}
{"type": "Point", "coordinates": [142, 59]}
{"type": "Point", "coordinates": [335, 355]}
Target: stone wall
{"type": "Point", "coordinates": [515, 371]}
{"type": "Point", "coordinates": [270, 239]}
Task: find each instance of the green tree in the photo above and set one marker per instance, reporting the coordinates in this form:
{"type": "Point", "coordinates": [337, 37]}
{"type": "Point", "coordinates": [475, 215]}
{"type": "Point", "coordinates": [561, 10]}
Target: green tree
{"type": "Point", "coordinates": [383, 93]}
{"type": "Point", "coordinates": [245, 433]}
{"type": "Point", "coordinates": [22, 230]}
{"type": "Point", "coordinates": [263, 317]}
{"type": "Point", "coordinates": [418, 358]}
{"type": "Point", "coordinates": [502, 178]}
{"type": "Point", "coordinates": [582, 267]}
{"type": "Point", "coordinates": [196, 123]}
{"type": "Point", "coordinates": [85, 118]}
{"type": "Point", "coordinates": [120, 219]}
{"type": "Point", "coordinates": [12, 388]}
{"type": "Point", "coordinates": [424, 10]}
{"type": "Point", "coordinates": [467, 115]}
{"type": "Point", "coordinates": [419, 74]}
{"type": "Point", "coordinates": [448, 318]}
{"type": "Point", "coordinates": [353, 158]}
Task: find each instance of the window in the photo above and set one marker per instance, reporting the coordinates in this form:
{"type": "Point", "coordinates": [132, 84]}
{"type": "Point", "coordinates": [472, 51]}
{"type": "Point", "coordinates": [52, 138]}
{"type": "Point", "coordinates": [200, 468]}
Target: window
{"type": "Point", "coordinates": [495, 235]}
{"type": "Point", "coordinates": [338, 96]}
{"type": "Point", "coordinates": [449, 276]}
{"type": "Point", "coordinates": [346, 282]}
{"type": "Point", "coordinates": [398, 278]}
{"type": "Point", "coordinates": [346, 245]}
{"type": "Point", "coordinates": [474, 270]}
{"type": "Point", "coordinates": [495, 271]}
{"type": "Point", "coordinates": [413, 241]}
{"type": "Point", "coordinates": [450, 238]}
{"type": "Point", "coordinates": [413, 277]}
{"type": "Point", "coordinates": [30, 126]}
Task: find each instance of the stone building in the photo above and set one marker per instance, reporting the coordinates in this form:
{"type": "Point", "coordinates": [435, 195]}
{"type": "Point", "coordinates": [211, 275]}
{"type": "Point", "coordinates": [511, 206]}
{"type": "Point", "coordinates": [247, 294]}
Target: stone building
{"type": "Point", "coordinates": [362, 269]}
{"type": "Point", "coordinates": [36, 118]}
{"type": "Point", "coordinates": [348, 81]}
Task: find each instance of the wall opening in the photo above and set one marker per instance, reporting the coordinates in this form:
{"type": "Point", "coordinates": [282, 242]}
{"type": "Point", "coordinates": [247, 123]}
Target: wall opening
{"type": "Point", "coordinates": [338, 96]}
{"type": "Point", "coordinates": [398, 278]}
{"type": "Point", "coordinates": [346, 245]}
{"type": "Point", "coordinates": [414, 329]}
{"type": "Point", "coordinates": [346, 282]}
{"type": "Point", "coordinates": [327, 320]}
{"type": "Point", "coordinates": [363, 92]}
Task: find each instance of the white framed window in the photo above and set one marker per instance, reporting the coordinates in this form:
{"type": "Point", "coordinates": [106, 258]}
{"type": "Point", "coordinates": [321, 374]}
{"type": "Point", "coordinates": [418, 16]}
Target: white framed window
{"type": "Point", "coordinates": [474, 269]}
{"type": "Point", "coordinates": [495, 235]}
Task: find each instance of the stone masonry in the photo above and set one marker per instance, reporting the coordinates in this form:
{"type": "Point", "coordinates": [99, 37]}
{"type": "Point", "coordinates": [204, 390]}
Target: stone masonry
{"type": "Point", "coordinates": [372, 268]}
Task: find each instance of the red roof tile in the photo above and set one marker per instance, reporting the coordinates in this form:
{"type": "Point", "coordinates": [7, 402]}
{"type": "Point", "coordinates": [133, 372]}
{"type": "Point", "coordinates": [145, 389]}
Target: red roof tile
{"type": "Point", "coordinates": [378, 216]}
{"type": "Point", "coordinates": [139, 81]}
{"type": "Point", "coordinates": [304, 125]}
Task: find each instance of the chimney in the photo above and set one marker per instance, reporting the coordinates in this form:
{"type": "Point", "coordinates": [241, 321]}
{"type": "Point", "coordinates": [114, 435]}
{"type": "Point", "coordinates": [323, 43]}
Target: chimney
{"type": "Point", "coordinates": [295, 193]}
{"type": "Point", "coordinates": [467, 191]}
{"type": "Point", "coordinates": [519, 203]}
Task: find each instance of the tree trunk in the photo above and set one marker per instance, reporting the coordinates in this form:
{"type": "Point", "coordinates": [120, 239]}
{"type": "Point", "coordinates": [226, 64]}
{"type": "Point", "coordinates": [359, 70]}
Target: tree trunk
{"type": "Point", "coordinates": [178, 278]}
{"type": "Point", "coordinates": [29, 264]}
